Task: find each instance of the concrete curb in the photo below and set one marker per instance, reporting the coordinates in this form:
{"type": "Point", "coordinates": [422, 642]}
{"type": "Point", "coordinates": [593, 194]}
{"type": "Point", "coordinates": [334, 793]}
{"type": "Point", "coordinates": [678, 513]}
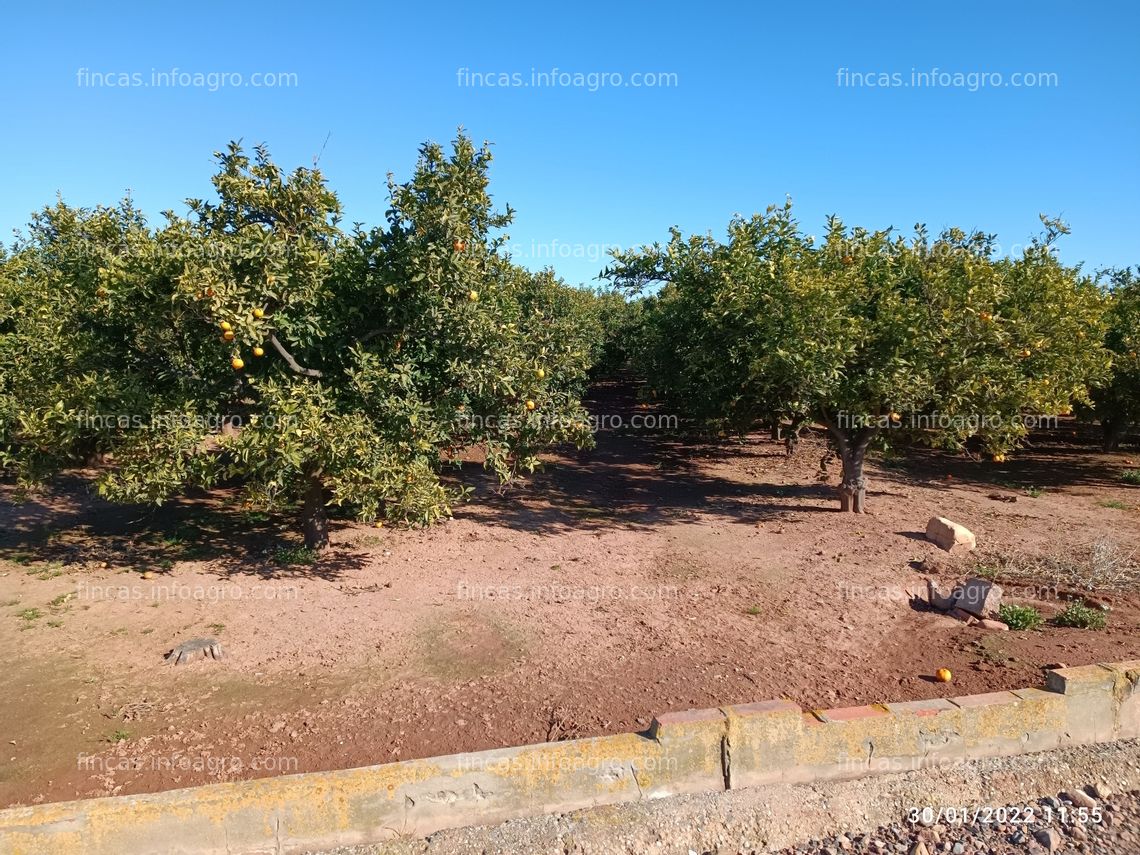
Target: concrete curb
{"type": "Point", "coordinates": [686, 752]}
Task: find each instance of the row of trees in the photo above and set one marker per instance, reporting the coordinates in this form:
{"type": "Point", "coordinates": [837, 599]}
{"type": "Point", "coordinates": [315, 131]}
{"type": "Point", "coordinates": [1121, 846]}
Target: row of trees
{"type": "Point", "coordinates": [1116, 403]}
{"type": "Point", "coordinates": [257, 339]}
{"type": "Point", "coordinates": [880, 337]}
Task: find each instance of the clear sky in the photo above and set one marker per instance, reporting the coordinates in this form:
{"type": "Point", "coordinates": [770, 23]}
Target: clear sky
{"type": "Point", "coordinates": [752, 104]}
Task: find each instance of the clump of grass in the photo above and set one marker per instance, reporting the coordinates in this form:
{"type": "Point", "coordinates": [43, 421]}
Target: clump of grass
{"type": "Point", "coordinates": [30, 615]}
{"type": "Point", "coordinates": [1131, 476]}
{"type": "Point", "coordinates": [48, 570]}
{"type": "Point", "coordinates": [1078, 615]}
{"type": "Point", "coordinates": [215, 628]}
{"type": "Point", "coordinates": [1020, 617]}
{"type": "Point", "coordinates": [293, 555]}
{"type": "Point", "coordinates": [1116, 505]}
{"type": "Point", "coordinates": [1100, 566]}
{"type": "Point", "coordinates": [752, 610]}
{"type": "Point", "coordinates": [1035, 492]}
{"type": "Point", "coordinates": [119, 736]}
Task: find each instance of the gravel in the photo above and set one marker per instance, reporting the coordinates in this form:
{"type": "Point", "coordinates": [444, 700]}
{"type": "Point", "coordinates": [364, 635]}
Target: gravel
{"type": "Point", "coordinates": [855, 817]}
{"type": "Point", "coordinates": [1053, 824]}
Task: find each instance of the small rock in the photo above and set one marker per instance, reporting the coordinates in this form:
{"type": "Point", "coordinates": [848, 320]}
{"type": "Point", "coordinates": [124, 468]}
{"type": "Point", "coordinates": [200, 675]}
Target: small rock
{"type": "Point", "coordinates": [987, 623]}
{"type": "Point", "coordinates": [962, 615]}
{"type": "Point", "coordinates": [959, 849]}
{"type": "Point", "coordinates": [918, 848]}
{"type": "Point", "coordinates": [209, 648]}
{"type": "Point", "coordinates": [1048, 838]}
{"type": "Point", "coordinates": [951, 536]}
{"type": "Point", "coordinates": [1081, 799]}
{"type": "Point", "coordinates": [1101, 790]}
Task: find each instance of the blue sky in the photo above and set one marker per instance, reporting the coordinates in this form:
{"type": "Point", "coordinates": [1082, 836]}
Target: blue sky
{"type": "Point", "coordinates": [754, 106]}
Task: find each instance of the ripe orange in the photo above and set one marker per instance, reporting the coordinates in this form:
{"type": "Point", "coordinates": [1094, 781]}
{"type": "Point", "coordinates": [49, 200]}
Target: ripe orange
{"type": "Point", "coordinates": [259, 351]}
{"type": "Point", "coordinates": [473, 296]}
{"type": "Point", "coordinates": [237, 363]}
{"type": "Point", "coordinates": [530, 405]}
{"type": "Point", "coordinates": [226, 326]}
{"type": "Point", "coordinates": [459, 245]}
{"type": "Point", "coordinates": [540, 373]}
{"type": "Point", "coordinates": [895, 417]}
{"type": "Point", "coordinates": [999, 458]}
{"type": "Point", "coordinates": [1026, 352]}
{"type": "Point", "coordinates": [259, 313]}
{"type": "Point", "coordinates": [943, 675]}
{"type": "Point", "coordinates": [847, 259]}
{"type": "Point", "coordinates": [228, 335]}
{"type": "Point", "coordinates": [985, 316]}
{"type": "Point", "coordinates": [379, 523]}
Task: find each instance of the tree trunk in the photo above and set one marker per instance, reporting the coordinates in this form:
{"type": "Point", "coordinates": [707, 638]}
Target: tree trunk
{"type": "Point", "coordinates": [314, 518]}
{"type": "Point", "coordinates": [1114, 431]}
{"type": "Point", "coordinates": [853, 454]}
{"type": "Point", "coordinates": [775, 428]}
{"type": "Point", "coordinates": [792, 438]}
{"type": "Point", "coordinates": [853, 487]}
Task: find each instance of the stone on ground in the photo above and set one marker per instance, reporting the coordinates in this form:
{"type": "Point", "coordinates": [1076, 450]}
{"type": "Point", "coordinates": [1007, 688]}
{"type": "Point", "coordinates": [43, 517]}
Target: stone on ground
{"type": "Point", "coordinates": [949, 535]}
{"type": "Point", "coordinates": [979, 597]}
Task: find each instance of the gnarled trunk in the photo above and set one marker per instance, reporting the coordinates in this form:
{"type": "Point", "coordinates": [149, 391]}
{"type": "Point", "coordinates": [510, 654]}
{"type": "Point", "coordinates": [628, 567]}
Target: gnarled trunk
{"type": "Point", "coordinates": [792, 438]}
{"type": "Point", "coordinates": [314, 517]}
{"type": "Point", "coordinates": [853, 487]}
{"type": "Point", "coordinates": [853, 454]}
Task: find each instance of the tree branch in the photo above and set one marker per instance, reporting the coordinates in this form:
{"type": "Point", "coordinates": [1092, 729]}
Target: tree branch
{"type": "Point", "coordinates": [293, 363]}
{"type": "Point", "coordinates": [839, 435]}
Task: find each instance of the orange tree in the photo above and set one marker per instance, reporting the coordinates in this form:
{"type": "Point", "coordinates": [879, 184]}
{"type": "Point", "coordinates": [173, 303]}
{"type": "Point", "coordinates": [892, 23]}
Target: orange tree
{"type": "Point", "coordinates": [1116, 402]}
{"type": "Point", "coordinates": [876, 336]}
{"type": "Point", "coordinates": [256, 339]}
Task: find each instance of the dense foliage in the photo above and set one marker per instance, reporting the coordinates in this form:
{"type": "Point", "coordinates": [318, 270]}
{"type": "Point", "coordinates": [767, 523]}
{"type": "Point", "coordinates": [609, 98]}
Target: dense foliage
{"type": "Point", "coordinates": [872, 334]}
{"type": "Point", "coordinates": [256, 338]}
{"type": "Point", "coordinates": [1117, 401]}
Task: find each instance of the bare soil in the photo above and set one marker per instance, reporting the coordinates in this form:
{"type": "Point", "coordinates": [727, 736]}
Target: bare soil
{"type": "Point", "coordinates": [650, 574]}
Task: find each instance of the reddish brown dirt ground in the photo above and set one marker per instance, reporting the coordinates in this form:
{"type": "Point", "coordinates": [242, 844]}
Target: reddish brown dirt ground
{"type": "Point", "coordinates": [645, 576]}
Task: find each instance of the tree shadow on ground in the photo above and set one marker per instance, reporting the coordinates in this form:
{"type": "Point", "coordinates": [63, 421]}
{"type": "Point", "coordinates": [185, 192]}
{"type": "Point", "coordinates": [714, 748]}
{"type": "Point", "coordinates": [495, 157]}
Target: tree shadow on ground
{"type": "Point", "coordinates": [1064, 456]}
{"type": "Point", "coordinates": [637, 479]}
{"type": "Point", "coordinates": [67, 525]}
